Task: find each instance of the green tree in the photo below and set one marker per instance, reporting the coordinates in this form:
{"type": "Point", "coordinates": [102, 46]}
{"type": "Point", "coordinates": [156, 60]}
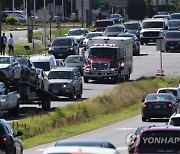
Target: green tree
{"type": "Point", "coordinates": [176, 5]}
{"type": "Point", "coordinates": [137, 9]}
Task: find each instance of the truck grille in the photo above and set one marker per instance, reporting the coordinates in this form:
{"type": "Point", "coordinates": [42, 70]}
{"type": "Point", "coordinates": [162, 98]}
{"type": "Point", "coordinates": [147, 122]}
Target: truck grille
{"type": "Point", "coordinates": [99, 66]}
{"type": "Point", "coordinates": [55, 86]}
{"type": "Point", "coordinates": [172, 43]}
{"type": "Point", "coordinates": [151, 34]}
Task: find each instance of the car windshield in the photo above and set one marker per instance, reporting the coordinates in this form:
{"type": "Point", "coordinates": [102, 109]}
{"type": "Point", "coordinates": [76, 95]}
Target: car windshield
{"type": "Point", "coordinates": [153, 24]}
{"type": "Point", "coordinates": [174, 92]}
{"type": "Point", "coordinates": [175, 121]}
{"type": "Point", "coordinates": [76, 32]}
{"type": "Point", "coordinates": [103, 23]}
{"type": "Point", "coordinates": [175, 16]}
{"type": "Point", "coordinates": [4, 60]}
{"type": "Point", "coordinates": [160, 139]}
{"type": "Point", "coordinates": [23, 61]}
{"type": "Point", "coordinates": [74, 60]}
{"type": "Point", "coordinates": [62, 42]}
{"type": "Point", "coordinates": [43, 65]}
{"type": "Point", "coordinates": [131, 26]}
{"type": "Point", "coordinates": [173, 35]}
{"type": "Point", "coordinates": [158, 98]}
{"type": "Point", "coordinates": [103, 53]}
{"type": "Point", "coordinates": [115, 16]}
{"type": "Point", "coordinates": [174, 23]}
{"type": "Point", "coordinates": [60, 75]}
{"type": "Point", "coordinates": [91, 35]}
{"type": "Point", "coordinates": [115, 29]}
{"type": "Point", "coordinates": [127, 36]}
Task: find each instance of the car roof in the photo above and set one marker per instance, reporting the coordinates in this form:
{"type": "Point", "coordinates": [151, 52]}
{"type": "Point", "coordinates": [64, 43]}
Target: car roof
{"type": "Point", "coordinates": [63, 69]}
{"type": "Point", "coordinates": [74, 56]}
{"type": "Point", "coordinates": [72, 29]}
{"type": "Point", "coordinates": [79, 149]}
{"type": "Point", "coordinates": [114, 26]}
{"type": "Point", "coordinates": [132, 22]}
{"type": "Point", "coordinates": [126, 34]}
{"type": "Point", "coordinates": [82, 142]}
{"type": "Point", "coordinates": [170, 88]}
{"type": "Point", "coordinates": [177, 115]}
{"type": "Point", "coordinates": [41, 58]}
{"type": "Point", "coordinates": [154, 20]}
{"type": "Point", "coordinates": [64, 38]}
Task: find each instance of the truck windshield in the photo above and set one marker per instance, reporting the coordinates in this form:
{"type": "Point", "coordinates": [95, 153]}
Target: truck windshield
{"type": "Point", "coordinates": [103, 53]}
{"type": "Point", "coordinates": [151, 24]}
{"type": "Point", "coordinates": [4, 60]}
{"type": "Point", "coordinates": [62, 42]}
{"type": "Point", "coordinates": [43, 65]}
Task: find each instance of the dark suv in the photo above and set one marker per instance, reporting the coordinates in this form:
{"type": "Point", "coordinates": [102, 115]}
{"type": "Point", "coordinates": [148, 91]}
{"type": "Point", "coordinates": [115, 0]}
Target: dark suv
{"type": "Point", "coordinates": [62, 47]}
{"type": "Point", "coordinates": [9, 143]}
{"type": "Point", "coordinates": [158, 139]}
{"type": "Point", "coordinates": [66, 81]}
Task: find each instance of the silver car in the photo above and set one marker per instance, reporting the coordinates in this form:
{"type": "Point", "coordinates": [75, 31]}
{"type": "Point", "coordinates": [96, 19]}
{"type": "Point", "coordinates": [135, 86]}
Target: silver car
{"type": "Point", "coordinates": [9, 68]}
{"type": "Point", "coordinates": [66, 81]}
{"type": "Point", "coordinates": [43, 81]}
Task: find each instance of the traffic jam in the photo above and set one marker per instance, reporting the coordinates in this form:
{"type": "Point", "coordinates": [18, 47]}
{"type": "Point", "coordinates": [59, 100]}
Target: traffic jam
{"type": "Point", "coordinates": [81, 57]}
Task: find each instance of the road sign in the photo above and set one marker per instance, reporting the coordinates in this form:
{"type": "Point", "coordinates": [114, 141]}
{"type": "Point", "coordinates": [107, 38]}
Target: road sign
{"type": "Point", "coordinates": [43, 15]}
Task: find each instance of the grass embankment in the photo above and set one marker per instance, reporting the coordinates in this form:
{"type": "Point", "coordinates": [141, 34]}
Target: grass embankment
{"type": "Point", "coordinates": [120, 103]}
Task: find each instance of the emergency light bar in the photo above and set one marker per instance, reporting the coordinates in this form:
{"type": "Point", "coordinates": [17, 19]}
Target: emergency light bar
{"type": "Point", "coordinates": [106, 45]}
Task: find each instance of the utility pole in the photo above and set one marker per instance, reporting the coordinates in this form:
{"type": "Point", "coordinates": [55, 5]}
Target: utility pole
{"type": "Point", "coordinates": [157, 5]}
{"type": "Point", "coordinates": [82, 13]}
{"type": "Point", "coordinates": [34, 8]}
{"type": "Point", "coordinates": [29, 24]}
{"type": "Point", "coordinates": [148, 8]}
{"type": "Point", "coordinates": [167, 8]}
{"type": "Point", "coordinates": [0, 22]}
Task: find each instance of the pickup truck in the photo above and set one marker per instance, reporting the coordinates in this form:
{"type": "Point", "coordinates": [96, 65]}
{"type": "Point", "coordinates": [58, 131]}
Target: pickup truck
{"type": "Point", "coordinates": [9, 101]}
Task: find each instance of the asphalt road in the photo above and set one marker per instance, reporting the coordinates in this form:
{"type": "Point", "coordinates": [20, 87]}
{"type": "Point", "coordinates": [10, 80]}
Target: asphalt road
{"type": "Point", "coordinates": [144, 65]}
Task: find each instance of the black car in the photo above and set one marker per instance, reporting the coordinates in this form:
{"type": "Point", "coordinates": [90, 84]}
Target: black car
{"type": "Point", "coordinates": [173, 24]}
{"type": "Point", "coordinates": [9, 143]}
{"type": "Point", "coordinates": [158, 105]}
{"type": "Point", "coordinates": [85, 142]}
{"type": "Point", "coordinates": [28, 70]}
{"type": "Point", "coordinates": [136, 42]}
{"type": "Point", "coordinates": [62, 47]}
{"type": "Point", "coordinates": [133, 27]}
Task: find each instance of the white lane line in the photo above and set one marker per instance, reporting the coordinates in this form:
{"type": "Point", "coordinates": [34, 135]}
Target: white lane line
{"type": "Point", "coordinates": [125, 128]}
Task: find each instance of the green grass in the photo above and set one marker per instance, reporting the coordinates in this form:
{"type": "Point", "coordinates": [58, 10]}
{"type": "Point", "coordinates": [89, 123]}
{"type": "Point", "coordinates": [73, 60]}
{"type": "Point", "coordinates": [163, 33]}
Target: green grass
{"type": "Point", "coordinates": [117, 104]}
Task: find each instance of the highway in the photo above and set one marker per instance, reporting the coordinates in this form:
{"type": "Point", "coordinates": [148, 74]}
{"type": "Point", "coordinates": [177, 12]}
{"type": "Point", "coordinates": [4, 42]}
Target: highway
{"type": "Point", "coordinates": [144, 65]}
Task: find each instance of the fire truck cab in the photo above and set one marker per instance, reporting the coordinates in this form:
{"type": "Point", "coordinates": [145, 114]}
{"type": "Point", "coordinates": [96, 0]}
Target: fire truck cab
{"type": "Point", "coordinates": [109, 58]}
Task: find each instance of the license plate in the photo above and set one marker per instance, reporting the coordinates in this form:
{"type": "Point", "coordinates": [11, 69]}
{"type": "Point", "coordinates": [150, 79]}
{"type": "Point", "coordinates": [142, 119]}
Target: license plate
{"type": "Point", "coordinates": [60, 54]}
{"type": "Point", "coordinates": [157, 106]}
{"type": "Point", "coordinates": [150, 40]}
{"type": "Point", "coordinates": [55, 91]}
{"type": "Point", "coordinates": [171, 47]}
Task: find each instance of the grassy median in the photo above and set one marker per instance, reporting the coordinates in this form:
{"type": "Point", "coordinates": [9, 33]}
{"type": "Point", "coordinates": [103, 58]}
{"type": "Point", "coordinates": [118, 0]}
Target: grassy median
{"type": "Point", "coordinates": [122, 102]}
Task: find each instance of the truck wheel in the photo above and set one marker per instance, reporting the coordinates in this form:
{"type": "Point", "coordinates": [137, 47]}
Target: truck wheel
{"type": "Point", "coordinates": [15, 111]}
{"type": "Point", "coordinates": [71, 96]}
{"type": "Point", "coordinates": [85, 80]}
{"type": "Point", "coordinates": [46, 104]}
{"type": "Point", "coordinates": [78, 96]}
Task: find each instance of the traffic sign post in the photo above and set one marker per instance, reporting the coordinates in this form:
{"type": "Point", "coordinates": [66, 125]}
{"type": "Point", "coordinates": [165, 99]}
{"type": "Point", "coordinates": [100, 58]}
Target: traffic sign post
{"type": "Point", "coordinates": [160, 46]}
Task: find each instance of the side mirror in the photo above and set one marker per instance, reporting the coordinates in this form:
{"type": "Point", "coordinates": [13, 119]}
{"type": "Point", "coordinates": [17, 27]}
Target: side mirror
{"type": "Point", "coordinates": [66, 34]}
{"type": "Point", "coordinates": [19, 133]}
{"type": "Point", "coordinates": [49, 45]}
{"type": "Point", "coordinates": [143, 100]}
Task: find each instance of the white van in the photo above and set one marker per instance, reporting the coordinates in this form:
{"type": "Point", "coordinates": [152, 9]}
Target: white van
{"type": "Point", "coordinates": [45, 62]}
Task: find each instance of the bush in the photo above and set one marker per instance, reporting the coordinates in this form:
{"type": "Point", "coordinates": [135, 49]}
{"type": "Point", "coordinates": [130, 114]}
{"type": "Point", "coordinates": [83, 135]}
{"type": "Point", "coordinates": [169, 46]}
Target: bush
{"type": "Point", "coordinates": [11, 20]}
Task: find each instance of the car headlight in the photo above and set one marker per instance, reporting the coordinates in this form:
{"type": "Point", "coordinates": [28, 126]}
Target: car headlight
{"type": "Point", "coordinates": [70, 49]}
{"type": "Point", "coordinates": [141, 34]}
{"type": "Point", "coordinates": [3, 100]}
{"type": "Point", "coordinates": [51, 49]}
{"type": "Point", "coordinates": [66, 85]}
{"type": "Point", "coordinates": [161, 34]}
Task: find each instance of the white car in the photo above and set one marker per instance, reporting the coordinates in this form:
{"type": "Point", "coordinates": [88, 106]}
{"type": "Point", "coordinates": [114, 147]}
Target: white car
{"type": "Point", "coordinates": [9, 68]}
{"type": "Point", "coordinates": [79, 150]}
{"type": "Point", "coordinates": [43, 81]}
{"type": "Point", "coordinates": [174, 120]}
{"type": "Point", "coordinates": [174, 90]}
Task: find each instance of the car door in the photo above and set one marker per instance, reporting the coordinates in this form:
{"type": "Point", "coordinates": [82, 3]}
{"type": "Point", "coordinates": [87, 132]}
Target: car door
{"type": "Point", "coordinates": [16, 68]}
{"type": "Point", "coordinates": [78, 80]}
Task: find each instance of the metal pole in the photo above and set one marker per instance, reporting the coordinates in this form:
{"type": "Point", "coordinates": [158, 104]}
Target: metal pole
{"type": "Point", "coordinates": [167, 7]}
{"type": "Point", "coordinates": [45, 24]}
{"type": "Point", "coordinates": [82, 13]}
{"type": "Point", "coordinates": [50, 21]}
{"type": "Point", "coordinates": [54, 7]}
{"type": "Point", "coordinates": [24, 5]}
{"type": "Point", "coordinates": [62, 9]}
{"type": "Point", "coordinates": [0, 23]}
{"type": "Point", "coordinates": [34, 7]}
{"type": "Point", "coordinates": [157, 5]}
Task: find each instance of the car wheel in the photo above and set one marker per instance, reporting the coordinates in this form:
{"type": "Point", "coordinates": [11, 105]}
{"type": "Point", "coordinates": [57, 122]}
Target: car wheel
{"type": "Point", "coordinates": [142, 43]}
{"type": "Point", "coordinates": [85, 80]}
{"type": "Point", "coordinates": [15, 111]}
{"type": "Point", "coordinates": [78, 96]}
{"type": "Point", "coordinates": [71, 96]}
{"type": "Point", "coordinates": [144, 119]}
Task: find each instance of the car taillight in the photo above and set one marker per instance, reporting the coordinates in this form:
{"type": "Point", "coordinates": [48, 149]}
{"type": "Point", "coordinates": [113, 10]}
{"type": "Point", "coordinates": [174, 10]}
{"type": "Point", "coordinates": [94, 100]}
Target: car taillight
{"type": "Point", "coordinates": [4, 139]}
{"type": "Point", "coordinates": [145, 105]}
{"type": "Point", "coordinates": [169, 105]}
